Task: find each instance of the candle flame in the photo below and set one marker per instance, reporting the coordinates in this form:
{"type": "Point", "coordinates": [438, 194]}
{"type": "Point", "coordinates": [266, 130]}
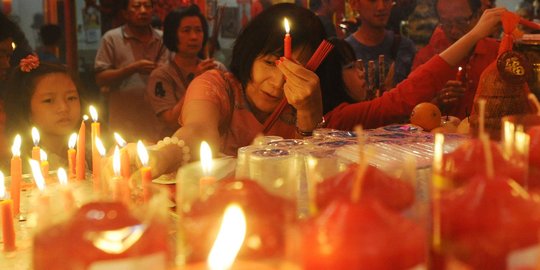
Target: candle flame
{"type": "Point", "coordinates": [13, 45]}
{"type": "Point", "coordinates": [62, 176]}
{"type": "Point", "coordinates": [36, 172]}
{"type": "Point", "coordinates": [72, 140]}
{"type": "Point", "coordinates": [460, 68]}
{"type": "Point", "coordinates": [143, 154]}
{"type": "Point", "coordinates": [206, 158]}
{"type": "Point", "coordinates": [93, 113]}
{"type": "Point", "coordinates": [16, 147]}
{"type": "Point", "coordinates": [229, 240]}
{"type": "Point", "coordinates": [116, 161]}
{"type": "Point", "coordinates": [100, 147]}
{"type": "Point", "coordinates": [287, 26]}
{"type": "Point", "coordinates": [35, 136]}
{"type": "Point", "coordinates": [2, 187]}
{"type": "Point", "coordinates": [42, 155]}
{"type": "Point", "coordinates": [522, 142]}
{"type": "Point", "coordinates": [119, 140]}
{"type": "Point", "coordinates": [85, 117]}
{"type": "Point", "coordinates": [438, 153]}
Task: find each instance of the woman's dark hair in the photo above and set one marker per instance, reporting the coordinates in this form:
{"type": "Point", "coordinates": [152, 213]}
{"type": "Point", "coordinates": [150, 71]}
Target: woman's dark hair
{"type": "Point", "coordinates": [10, 29]}
{"type": "Point", "coordinates": [172, 22]}
{"type": "Point", "coordinates": [264, 36]}
{"type": "Point", "coordinates": [331, 75]}
{"type": "Point", "coordinates": [19, 91]}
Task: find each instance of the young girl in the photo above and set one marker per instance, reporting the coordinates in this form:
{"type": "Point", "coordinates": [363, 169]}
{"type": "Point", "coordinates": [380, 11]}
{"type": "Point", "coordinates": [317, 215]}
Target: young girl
{"type": "Point", "coordinates": [45, 96]}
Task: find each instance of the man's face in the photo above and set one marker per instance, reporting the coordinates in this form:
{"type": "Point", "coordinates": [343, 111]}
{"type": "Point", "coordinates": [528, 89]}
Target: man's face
{"type": "Point", "coordinates": [374, 13]}
{"type": "Point", "coordinates": [455, 18]}
{"type": "Point", "coordinates": [139, 12]}
{"type": "Point", "coordinates": [6, 50]}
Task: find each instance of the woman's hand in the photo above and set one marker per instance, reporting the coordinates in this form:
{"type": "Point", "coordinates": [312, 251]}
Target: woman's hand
{"type": "Point", "coordinates": [488, 22]}
{"type": "Point", "coordinates": [449, 95]}
{"type": "Point", "coordinates": [205, 65]}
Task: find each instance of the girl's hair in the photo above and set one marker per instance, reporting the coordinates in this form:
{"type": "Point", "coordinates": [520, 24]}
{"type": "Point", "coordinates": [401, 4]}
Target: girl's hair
{"type": "Point", "coordinates": [331, 75]}
{"type": "Point", "coordinates": [172, 22]}
{"type": "Point", "coordinates": [20, 88]}
{"type": "Point", "coordinates": [264, 36]}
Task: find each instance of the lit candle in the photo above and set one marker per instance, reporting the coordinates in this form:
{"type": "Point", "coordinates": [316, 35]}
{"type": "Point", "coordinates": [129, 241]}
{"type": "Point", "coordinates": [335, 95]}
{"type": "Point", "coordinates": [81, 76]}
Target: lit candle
{"type": "Point", "coordinates": [97, 170]}
{"type": "Point", "coordinates": [436, 187]}
{"type": "Point", "coordinates": [146, 171]}
{"type": "Point", "coordinates": [81, 151]}
{"type": "Point", "coordinates": [72, 155]}
{"type": "Point", "coordinates": [119, 184]}
{"type": "Point", "coordinates": [124, 156]}
{"type": "Point", "coordinates": [459, 74]}
{"type": "Point", "coordinates": [36, 173]}
{"type": "Point", "coordinates": [287, 47]}
{"type": "Point", "coordinates": [94, 133]}
{"type": "Point", "coordinates": [6, 207]}
{"type": "Point", "coordinates": [229, 240]}
{"type": "Point", "coordinates": [35, 150]}
{"type": "Point", "coordinates": [44, 164]}
{"type": "Point", "coordinates": [16, 174]}
{"type": "Point", "coordinates": [69, 201]}
{"type": "Point", "coordinates": [206, 165]}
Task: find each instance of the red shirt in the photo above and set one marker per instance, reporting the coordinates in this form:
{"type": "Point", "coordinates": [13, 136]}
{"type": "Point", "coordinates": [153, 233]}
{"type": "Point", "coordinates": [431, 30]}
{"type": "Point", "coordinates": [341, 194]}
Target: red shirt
{"type": "Point", "coordinates": [395, 105]}
{"type": "Point", "coordinates": [484, 54]}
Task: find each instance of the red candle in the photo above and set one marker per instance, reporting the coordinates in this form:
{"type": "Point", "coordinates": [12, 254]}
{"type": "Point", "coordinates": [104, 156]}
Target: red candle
{"type": "Point", "coordinates": [125, 164]}
{"type": "Point", "coordinates": [36, 151]}
{"type": "Point", "coordinates": [146, 171]}
{"type": "Point", "coordinates": [459, 74]}
{"type": "Point", "coordinates": [72, 155]}
{"type": "Point", "coordinates": [287, 47]}
{"type": "Point", "coordinates": [81, 151]}
{"type": "Point", "coordinates": [16, 174]}
{"type": "Point", "coordinates": [6, 209]}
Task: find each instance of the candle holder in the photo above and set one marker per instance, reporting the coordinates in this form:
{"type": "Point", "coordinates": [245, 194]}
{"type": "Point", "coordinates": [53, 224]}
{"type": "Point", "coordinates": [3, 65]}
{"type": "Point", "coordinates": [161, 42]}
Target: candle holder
{"type": "Point", "coordinates": [201, 202]}
{"type": "Point", "coordinates": [75, 227]}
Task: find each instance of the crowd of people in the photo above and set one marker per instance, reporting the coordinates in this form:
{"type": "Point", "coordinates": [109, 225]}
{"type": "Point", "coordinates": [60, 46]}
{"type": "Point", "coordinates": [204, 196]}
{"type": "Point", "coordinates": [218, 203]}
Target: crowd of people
{"type": "Point", "coordinates": [161, 83]}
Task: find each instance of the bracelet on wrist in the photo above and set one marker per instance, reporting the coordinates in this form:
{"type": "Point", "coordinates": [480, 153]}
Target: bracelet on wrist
{"type": "Point", "coordinates": [174, 141]}
{"type": "Point", "coordinates": [304, 133]}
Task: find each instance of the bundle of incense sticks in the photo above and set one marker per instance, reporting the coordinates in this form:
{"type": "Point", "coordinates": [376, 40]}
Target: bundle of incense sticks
{"type": "Point", "coordinates": [371, 79]}
{"type": "Point", "coordinates": [314, 62]}
{"type": "Point", "coordinates": [382, 76]}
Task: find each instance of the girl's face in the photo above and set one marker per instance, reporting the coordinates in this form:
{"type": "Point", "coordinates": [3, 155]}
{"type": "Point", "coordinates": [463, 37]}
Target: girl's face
{"type": "Point", "coordinates": [265, 89]}
{"type": "Point", "coordinates": [190, 35]}
{"type": "Point", "coordinates": [355, 83]}
{"type": "Point", "coordinates": [55, 107]}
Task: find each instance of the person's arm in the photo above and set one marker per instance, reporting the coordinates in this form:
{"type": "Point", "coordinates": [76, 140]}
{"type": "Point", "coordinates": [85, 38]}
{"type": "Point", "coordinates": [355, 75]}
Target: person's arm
{"type": "Point", "coordinates": [114, 76]}
{"type": "Point", "coordinates": [303, 92]}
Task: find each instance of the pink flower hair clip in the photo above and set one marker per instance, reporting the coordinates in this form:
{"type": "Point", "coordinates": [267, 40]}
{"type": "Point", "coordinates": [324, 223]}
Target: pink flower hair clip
{"type": "Point", "coordinates": [29, 63]}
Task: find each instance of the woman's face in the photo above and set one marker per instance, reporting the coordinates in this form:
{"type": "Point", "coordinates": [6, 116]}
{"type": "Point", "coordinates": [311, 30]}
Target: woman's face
{"type": "Point", "coordinates": [55, 107]}
{"type": "Point", "coordinates": [265, 90]}
{"type": "Point", "coordinates": [355, 82]}
{"type": "Point", "coordinates": [190, 35]}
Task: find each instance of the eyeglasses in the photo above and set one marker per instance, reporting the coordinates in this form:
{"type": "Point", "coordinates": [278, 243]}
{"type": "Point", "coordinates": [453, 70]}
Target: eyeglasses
{"type": "Point", "coordinates": [459, 22]}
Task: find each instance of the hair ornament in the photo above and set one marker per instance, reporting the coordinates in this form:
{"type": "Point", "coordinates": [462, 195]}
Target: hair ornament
{"type": "Point", "coordinates": [29, 63]}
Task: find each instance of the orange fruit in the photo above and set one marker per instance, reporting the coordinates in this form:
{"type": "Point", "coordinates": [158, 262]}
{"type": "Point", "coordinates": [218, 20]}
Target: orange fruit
{"type": "Point", "coordinates": [426, 115]}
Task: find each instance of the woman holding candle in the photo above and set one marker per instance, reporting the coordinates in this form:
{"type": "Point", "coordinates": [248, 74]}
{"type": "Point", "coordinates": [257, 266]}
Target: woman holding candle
{"type": "Point", "coordinates": [43, 95]}
{"type": "Point", "coordinates": [185, 32]}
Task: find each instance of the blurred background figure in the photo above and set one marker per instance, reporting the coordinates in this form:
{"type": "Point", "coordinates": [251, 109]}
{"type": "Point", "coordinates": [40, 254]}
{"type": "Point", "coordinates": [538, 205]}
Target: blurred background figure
{"type": "Point", "coordinates": [50, 36]}
{"type": "Point", "coordinates": [325, 10]}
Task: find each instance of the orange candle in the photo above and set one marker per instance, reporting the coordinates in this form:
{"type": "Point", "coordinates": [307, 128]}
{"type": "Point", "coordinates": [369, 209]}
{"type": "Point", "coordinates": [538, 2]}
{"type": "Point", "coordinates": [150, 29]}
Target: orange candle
{"type": "Point", "coordinates": [125, 164]}
{"type": "Point", "coordinates": [287, 41]}
{"type": "Point", "coordinates": [459, 74]}
{"type": "Point", "coordinates": [35, 150]}
{"type": "Point", "coordinates": [44, 164]}
{"type": "Point", "coordinates": [97, 169]}
{"type": "Point", "coordinates": [119, 183]}
{"type": "Point", "coordinates": [6, 209]}
{"type": "Point", "coordinates": [72, 155]}
{"type": "Point", "coordinates": [81, 151]}
{"type": "Point", "coordinates": [146, 171]}
{"type": "Point", "coordinates": [94, 133]}
{"type": "Point", "coordinates": [16, 174]}
{"type": "Point", "coordinates": [67, 195]}
{"type": "Point", "coordinates": [206, 165]}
